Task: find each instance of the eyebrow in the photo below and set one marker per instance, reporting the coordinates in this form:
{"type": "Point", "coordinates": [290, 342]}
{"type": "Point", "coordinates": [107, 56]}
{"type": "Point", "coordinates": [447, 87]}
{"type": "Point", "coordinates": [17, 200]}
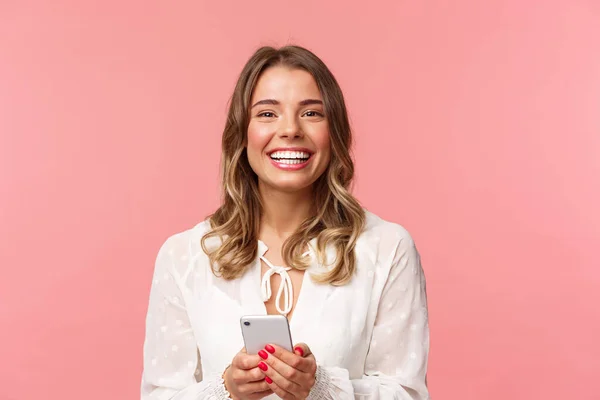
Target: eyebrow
{"type": "Point", "coordinates": [275, 102]}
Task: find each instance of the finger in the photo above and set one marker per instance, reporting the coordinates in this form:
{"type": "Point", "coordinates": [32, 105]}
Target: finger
{"type": "Point", "coordinates": [282, 394]}
{"type": "Point", "coordinates": [245, 361]}
{"type": "Point", "coordinates": [302, 350]}
{"type": "Point", "coordinates": [301, 382]}
{"type": "Point", "coordinates": [283, 387]}
{"type": "Point", "coordinates": [241, 376]}
{"type": "Point", "coordinates": [304, 364]}
{"type": "Point", "coordinates": [254, 387]}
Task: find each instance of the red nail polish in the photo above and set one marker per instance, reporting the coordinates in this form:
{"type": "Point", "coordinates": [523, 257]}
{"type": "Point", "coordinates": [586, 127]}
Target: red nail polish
{"type": "Point", "coordinates": [263, 354]}
{"type": "Point", "coordinates": [299, 350]}
{"type": "Point", "coordinates": [263, 366]}
{"type": "Point", "coordinates": [268, 380]}
{"type": "Point", "coordinates": [270, 349]}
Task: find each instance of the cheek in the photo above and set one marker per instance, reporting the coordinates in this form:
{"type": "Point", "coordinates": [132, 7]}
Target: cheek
{"type": "Point", "coordinates": [322, 142]}
{"type": "Point", "coordinates": [258, 138]}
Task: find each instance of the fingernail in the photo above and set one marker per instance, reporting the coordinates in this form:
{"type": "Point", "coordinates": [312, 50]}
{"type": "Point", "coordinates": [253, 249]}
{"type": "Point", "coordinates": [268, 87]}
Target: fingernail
{"type": "Point", "coordinates": [263, 354]}
{"type": "Point", "coordinates": [270, 349]}
{"type": "Point", "coordinates": [263, 366]}
{"type": "Point", "coordinates": [299, 350]}
{"type": "Point", "coordinates": [268, 380]}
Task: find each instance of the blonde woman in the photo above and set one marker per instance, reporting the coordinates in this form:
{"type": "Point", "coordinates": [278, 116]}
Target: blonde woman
{"type": "Point", "coordinates": [289, 238]}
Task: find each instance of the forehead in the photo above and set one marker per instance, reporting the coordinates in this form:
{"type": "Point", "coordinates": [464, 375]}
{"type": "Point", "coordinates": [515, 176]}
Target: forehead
{"type": "Point", "coordinates": [282, 83]}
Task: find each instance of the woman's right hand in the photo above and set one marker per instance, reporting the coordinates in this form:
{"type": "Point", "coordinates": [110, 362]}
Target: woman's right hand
{"type": "Point", "coordinates": [244, 380]}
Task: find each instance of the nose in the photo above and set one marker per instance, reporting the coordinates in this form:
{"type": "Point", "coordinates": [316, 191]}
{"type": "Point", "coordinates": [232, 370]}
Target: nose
{"type": "Point", "coordinates": [290, 128]}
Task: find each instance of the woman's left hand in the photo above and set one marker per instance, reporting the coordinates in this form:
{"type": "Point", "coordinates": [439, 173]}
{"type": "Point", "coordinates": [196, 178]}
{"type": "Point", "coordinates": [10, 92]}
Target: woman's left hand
{"type": "Point", "coordinates": [290, 375]}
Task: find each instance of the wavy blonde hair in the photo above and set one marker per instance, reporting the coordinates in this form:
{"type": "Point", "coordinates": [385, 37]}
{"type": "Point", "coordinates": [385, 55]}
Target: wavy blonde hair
{"type": "Point", "coordinates": [338, 219]}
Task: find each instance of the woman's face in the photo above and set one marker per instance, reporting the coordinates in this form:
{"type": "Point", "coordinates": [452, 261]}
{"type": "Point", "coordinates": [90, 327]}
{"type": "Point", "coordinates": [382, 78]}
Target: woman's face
{"type": "Point", "coordinates": [288, 134]}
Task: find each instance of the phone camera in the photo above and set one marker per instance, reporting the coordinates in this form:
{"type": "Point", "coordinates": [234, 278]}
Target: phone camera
{"type": "Point", "coordinates": [247, 323]}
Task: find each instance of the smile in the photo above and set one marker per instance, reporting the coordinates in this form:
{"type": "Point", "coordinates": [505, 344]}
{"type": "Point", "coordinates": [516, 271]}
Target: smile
{"type": "Point", "coordinates": [290, 160]}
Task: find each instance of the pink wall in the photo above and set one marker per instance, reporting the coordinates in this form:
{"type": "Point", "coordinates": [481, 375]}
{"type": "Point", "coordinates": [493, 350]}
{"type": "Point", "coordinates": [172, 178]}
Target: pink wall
{"type": "Point", "coordinates": [478, 128]}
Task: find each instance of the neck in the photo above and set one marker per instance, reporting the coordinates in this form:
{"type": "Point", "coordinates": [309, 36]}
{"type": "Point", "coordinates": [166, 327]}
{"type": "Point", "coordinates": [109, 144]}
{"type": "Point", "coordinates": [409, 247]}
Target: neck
{"type": "Point", "coordinates": [283, 212]}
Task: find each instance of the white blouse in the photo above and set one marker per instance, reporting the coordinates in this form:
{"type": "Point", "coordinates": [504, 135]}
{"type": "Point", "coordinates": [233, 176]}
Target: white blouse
{"type": "Point", "coordinates": [370, 337]}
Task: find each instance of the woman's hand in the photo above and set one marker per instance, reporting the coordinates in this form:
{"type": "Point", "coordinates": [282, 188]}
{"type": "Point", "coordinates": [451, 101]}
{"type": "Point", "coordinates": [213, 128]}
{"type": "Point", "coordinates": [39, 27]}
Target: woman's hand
{"type": "Point", "coordinates": [244, 380]}
{"type": "Point", "coordinates": [290, 375]}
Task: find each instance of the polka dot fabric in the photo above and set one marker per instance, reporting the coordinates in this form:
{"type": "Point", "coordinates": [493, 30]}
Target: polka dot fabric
{"type": "Point", "coordinates": [370, 337]}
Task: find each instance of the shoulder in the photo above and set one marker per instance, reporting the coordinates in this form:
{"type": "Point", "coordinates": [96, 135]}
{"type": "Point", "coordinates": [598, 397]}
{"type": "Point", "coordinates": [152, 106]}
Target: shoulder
{"type": "Point", "coordinates": [179, 249]}
{"type": "Point", "coordinates": [389, 233]}
{"type": "Point", "coordinates": [180, 242]}
{"type": "Point", "coordinates": [385, 242]}
{"type": "Point", "coordinates": [394, 250]}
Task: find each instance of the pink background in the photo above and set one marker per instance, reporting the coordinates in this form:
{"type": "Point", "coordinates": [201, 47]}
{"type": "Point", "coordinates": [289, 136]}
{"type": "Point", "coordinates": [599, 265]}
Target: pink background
{"type": "Point", "coordinates": [477, 127]}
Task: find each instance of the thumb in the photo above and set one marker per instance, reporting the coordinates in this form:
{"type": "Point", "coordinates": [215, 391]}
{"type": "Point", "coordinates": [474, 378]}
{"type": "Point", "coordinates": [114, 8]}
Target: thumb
{"type": "Point", "coordinates": [302, 350]}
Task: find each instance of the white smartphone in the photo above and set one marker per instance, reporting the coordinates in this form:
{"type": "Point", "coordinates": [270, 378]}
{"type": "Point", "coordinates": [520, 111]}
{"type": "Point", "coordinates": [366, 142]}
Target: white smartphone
{"type": "Point", "coordinates": [260, 330]}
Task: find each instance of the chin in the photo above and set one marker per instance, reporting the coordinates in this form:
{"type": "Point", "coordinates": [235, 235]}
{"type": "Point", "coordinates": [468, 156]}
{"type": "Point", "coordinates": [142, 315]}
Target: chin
{"type": "Point", "coordinates": [290, 186]}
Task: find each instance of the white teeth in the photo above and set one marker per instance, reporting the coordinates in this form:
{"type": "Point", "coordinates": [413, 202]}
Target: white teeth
{"type": "Point", "coordinates": [288, 161]}
{"type": "Point", "coordinates": [290, 155]}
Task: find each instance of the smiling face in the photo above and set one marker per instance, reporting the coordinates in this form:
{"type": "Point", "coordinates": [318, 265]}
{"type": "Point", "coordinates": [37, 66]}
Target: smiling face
{"type": "Point", "coordinates": [288, 133]}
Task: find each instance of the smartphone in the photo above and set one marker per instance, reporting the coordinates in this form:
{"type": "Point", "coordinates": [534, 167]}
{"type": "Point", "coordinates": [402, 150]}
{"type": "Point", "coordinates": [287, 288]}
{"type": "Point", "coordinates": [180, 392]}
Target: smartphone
{"type": "Point", "coordinates": [260, 330]}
